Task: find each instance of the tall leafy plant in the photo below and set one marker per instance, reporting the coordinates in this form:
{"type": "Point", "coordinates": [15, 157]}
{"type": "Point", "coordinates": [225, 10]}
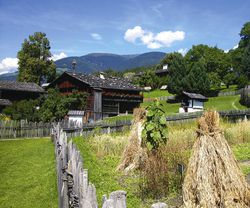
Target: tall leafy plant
{"type": "Point", "coordinates": [155, 130]}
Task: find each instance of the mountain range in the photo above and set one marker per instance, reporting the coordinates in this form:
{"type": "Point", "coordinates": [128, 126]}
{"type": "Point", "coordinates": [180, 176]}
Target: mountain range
{"type": "Point", "coordinates": [101, 61]}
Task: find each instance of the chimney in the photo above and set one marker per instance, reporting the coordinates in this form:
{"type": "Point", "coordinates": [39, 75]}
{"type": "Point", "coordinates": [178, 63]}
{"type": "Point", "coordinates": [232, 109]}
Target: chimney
{"type": "Point", "coordinates": [74, 66]}
{"type": "Point", "coordinates": [102, 75]}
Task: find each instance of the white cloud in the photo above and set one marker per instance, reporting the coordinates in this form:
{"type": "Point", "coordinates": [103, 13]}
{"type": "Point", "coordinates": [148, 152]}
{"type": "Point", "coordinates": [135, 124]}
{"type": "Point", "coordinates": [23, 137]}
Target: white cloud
{"type": "Point", "coordinates": [236, 46]}
{"type": "Point", "coordinates": [154, 45]}
{"type": "Point", "coordinates": [168, 37]}
{"type": "Point", "coordinates": [8, 65]}
{"type": "Point", "coordinates": [183, 51]}
{"type": "Point", "coordinates": [96, 36]}
{"type": "Point", "coordinates": [151, 40]}
{"type": "Point", "coordinates": [132, 34]}
{"type": "Point", "coordinates": [56, 57]}
{"type": "Point", "coordinates": [227, 50]}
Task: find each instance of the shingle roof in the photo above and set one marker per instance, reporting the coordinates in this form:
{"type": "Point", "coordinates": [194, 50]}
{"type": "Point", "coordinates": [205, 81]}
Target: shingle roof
{"type": "Point", "coordinates": [5, 102]}
{"type": "Point", "coordinates": [107, 83]}
{"type": "Point", "coordinates": [195, 96]}
{"type": "Point", "coordinates": [20, 86]}
{"type": "Point", "coordinates": [75, 113]}
{"type": "Point", "coordinates": [159, 71]}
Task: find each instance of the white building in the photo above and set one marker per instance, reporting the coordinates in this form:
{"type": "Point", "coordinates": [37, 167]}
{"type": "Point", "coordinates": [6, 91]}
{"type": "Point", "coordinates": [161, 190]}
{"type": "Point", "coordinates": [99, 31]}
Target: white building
{"type": "Point", "coordinates": [76, 116]}
{"type": "Point", "coordinates": [192, 102]}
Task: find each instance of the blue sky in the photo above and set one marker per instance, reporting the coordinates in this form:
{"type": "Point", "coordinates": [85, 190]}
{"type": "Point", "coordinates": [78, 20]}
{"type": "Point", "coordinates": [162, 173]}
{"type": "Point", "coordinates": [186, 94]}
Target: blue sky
{"type": "Point", "coordinates": [79, 27]}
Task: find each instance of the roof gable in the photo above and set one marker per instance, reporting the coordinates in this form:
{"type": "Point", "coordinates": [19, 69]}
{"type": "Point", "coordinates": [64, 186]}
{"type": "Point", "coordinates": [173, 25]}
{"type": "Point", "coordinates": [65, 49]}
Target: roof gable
{"type": "Point", "coordinates": [20, 86]}
{"type": "Point", "coordinates": [195, 96]}
{"type": "Point", "coordinates": [106, 83]}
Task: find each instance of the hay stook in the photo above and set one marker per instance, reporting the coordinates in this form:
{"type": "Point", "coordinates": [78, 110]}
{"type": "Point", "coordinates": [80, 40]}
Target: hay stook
{"type": "Point", "coordinates": [213, 178]}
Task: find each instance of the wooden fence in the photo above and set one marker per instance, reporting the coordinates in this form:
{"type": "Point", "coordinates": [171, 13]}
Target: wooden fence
{"type": "Point", "coordinates": [74, 189]}
{"type": "Point", "coordinates": [17, 129]}
{"type": "Point", "coordinates": [24, 129]}
{"type": "Point", "coordinates": [172, 97]}
{"type": "Point", "coordinates": [232, 115]}
{"type": "Point", "coordinates": [102, 127]}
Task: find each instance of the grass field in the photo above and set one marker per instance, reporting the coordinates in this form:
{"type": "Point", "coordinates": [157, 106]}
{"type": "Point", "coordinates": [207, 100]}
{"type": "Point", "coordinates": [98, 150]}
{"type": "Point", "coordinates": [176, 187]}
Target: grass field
{"type": "Point", "coordinates": [156, 93]}
{"type": "Point", "coordinates": [28, 177]}
{"type": "Point", "coordinates": [216, 103]}
{"type": "Point", "coordinates": [102, 155]}
{"type": "Point", "coordinates": [224, 103]}
{"type": "Point", "coordinates": [229, 89]}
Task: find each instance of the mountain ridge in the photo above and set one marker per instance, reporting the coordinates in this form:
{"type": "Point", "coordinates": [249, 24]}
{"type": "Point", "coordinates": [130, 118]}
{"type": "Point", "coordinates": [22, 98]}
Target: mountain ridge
{"type": "Point", "coordinates": [102, 61]}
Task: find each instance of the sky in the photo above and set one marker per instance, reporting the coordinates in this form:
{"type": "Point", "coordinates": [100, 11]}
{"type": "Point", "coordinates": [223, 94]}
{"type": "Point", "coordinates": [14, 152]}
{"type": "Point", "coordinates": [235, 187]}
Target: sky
{"type": "Point", "coordinates": [79, 27]}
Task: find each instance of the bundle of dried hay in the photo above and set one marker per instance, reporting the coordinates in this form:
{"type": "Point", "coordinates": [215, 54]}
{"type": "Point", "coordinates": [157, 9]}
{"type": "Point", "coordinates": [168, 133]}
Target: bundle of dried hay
{"type": "Point", "coordinates": [213, 177]}
{"type": "Point", "coordinates": [134, 155]}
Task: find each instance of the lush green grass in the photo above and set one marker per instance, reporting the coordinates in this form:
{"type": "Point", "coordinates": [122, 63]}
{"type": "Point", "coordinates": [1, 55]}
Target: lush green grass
{"type": "Point", "coordinates": [216, 103]}
{"type": "Point", "coordinates": [156, 93]}
{"type": "Point", "coordinates": [231, 88]}
{"type": "Point", "coordinates": [162, 93]}
{"type": "Point", "coordinates": [102, 171]}
{"type": "Point", "coordinates": [28, 177]}
{"type": "Point", "coordinates": [224, 103]}
{"type": "Point", "coordinates": [242, 151]}
{"type": "Point", "coordinates": [169, 108]}
{"type": "Point", "coordinates": [102, 154]}
{"type": "Point", "coordinates": [119, 118]}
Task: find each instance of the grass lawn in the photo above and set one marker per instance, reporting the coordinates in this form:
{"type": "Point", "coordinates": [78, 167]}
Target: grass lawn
{"type": "Point", "coordinates": [119, 118]}
{"type": "Point", "coordinates": [156, 93]}
{"type": "Point", "coordinates": [102, 171]}
{"type": "Point", "coordinates": [242, 151]}
{"type": "Point", "coordinates": [102, 154]}
{"type": "Point", "coordinates": [169, 108]}
{"type": "Point", "coordinates": [224, 103]}
{"type": "Point", "coordinates": [231, 88]}
{"type": "Point", "coordinates": [216, 103]}
{"type": "Point", "coordinates": [28, 177]}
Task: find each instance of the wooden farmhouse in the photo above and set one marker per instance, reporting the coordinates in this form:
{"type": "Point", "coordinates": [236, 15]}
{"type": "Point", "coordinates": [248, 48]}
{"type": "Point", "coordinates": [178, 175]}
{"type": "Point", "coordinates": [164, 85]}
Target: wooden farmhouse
{"type": "Point", "coordinates": [192, 102]}
{"type": "Point", "coordinates": [107, 96]}
{"type": "Point", "coordinates": [11, 91]}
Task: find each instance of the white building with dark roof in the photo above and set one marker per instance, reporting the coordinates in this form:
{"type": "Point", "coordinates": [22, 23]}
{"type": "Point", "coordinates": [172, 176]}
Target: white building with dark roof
{"type": "Point", "coordinates": [192, 102]}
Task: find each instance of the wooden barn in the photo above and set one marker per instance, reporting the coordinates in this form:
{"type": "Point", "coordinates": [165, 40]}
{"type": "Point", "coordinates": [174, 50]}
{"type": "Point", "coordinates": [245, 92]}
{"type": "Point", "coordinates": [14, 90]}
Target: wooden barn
{"type": "Point", "coordinates": [11, 91]}
{"type": "Point", "coordinates": [107, 96]}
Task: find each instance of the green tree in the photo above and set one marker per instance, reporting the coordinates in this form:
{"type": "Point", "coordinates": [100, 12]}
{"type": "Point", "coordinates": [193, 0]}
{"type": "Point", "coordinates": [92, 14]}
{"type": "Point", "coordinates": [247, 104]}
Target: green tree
{"type": "Point", "coordinates": [197, 79]}
{"type": "Point", "coordinates": [35, 64]}
{"type": "Point", "coordinates": [77, 100]}
{"type": "Point", "coordinates": [240, 56]}
{"type": "Point", "coordinates": [23, 110]}
{"type": "Point", "coordinates": [245, 35]}
{"type": "Point", "coordinates": [215, 81]}
{"type": "Point", "coordinates": [168, 59]}
{"type": "Point", "coordinates": [177, 75]}
{"type": "Point", "coordinates": [54, 107]}
{"type": "Point", "coordinates": [215, 59]}
{"type": "Point", "coordinates": [230, 79]}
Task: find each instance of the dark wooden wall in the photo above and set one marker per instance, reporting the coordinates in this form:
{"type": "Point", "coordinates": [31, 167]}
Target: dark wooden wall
{"type": "Point", "coordinates": [19, 95]}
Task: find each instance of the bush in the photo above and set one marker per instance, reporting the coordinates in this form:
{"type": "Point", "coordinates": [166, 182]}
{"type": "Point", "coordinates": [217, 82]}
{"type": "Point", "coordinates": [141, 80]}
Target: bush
{"type": "Point", "coordinates": [155, 127]}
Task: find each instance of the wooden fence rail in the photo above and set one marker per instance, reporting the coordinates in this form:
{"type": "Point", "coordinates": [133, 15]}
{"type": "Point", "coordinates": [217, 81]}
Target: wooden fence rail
{"type": "Point", "coordinates": [74, 189]}
{"type": "Point", "coordinates": [17, 129]}
{"type": "Point", "coordinates": [24, 129]}
{"type": "Point", "coordinates": [231, 115]}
